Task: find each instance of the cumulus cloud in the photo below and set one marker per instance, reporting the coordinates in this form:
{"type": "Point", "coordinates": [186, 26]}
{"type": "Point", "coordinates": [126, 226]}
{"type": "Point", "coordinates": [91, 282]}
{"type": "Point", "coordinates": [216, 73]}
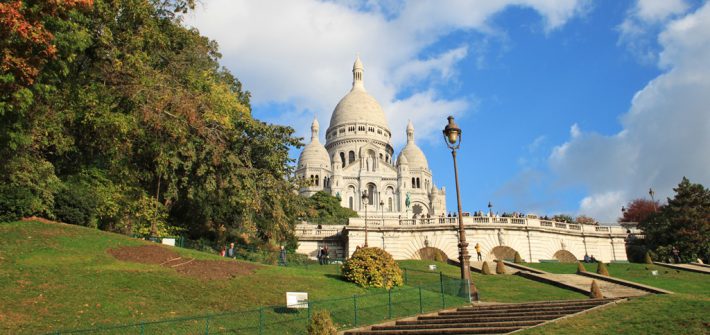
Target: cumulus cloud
{"type": "Point", "coordinates": [298, 54]}
{"type": "Point", "coordinates": [642, 22]}
{"type": "Point", "coordinates": [665, 135]}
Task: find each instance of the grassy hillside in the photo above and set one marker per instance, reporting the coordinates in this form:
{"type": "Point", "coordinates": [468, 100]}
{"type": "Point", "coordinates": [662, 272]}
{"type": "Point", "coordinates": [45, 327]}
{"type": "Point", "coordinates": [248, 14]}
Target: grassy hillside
{"type": "Point", "coordinates": [58, 277]}
{"type": "Point", "coordinates": [55, 276]}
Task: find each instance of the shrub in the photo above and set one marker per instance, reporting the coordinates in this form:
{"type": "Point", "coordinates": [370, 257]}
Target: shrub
{"type": "Point", "coordinates": [601, 269]}
{"type": "Point", "coordinates": [580, 267]}
{"type": "Point", "coordinates": [594, 291]}
{"type": "Point", "coordinates": [485, 269]}
{"type": "Point", "coordinates": [500, 268]}
{"type": "Point", "coordinates": [321, 324]}
{"type": "Point", "coordinates": [647, 258]}
{"type": "Point", "coordinates": [372, 267]}
{"type": "Point", "coordinates": [517, 259]}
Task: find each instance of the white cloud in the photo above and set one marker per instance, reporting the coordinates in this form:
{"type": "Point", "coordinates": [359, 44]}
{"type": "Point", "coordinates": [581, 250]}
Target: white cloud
{"type": "Point", "coordinates": [642, 22]}
{"type": "Point", "coordinates": [666, 132]}
{"type": "Point", "coordinates": [298, 54]}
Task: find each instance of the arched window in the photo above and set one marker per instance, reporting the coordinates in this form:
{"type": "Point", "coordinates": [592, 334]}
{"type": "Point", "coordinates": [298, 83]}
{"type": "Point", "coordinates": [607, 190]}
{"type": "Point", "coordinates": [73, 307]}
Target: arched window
{"type": "Point", "coordinates": [342, 158]}
{"type": "Point", "coordinates": [316, 180]}
{"type": "Point", "coordinates": [350, 202]}
{"type": "Point", "coordinates": [371, 191]}
{"type": "Point", "coordinates": [419, 185]}
{"type": "Point", "coordinates": [414, 182]}
{"type": "Point", "coordinates": [389, 204]}
{"type": "Point", "coordinates": [351, 157]}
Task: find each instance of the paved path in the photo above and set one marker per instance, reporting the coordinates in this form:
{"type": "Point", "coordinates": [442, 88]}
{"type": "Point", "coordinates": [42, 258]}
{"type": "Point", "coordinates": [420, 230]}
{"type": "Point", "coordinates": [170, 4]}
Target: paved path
{"type": "Point", "coordinates": [609, 289]}
{"type": "Point", "coordinates": [689, 267]}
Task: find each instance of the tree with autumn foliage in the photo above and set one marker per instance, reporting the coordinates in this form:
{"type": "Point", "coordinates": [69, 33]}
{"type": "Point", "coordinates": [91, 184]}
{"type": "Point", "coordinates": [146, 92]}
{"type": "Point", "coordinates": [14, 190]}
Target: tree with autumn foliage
{"type": "Point", "coordinates": [683, 223]}
{"type": "Point", "coordinates": [116, 116]}
{"type": "Point", "coordinates": [638, 210]}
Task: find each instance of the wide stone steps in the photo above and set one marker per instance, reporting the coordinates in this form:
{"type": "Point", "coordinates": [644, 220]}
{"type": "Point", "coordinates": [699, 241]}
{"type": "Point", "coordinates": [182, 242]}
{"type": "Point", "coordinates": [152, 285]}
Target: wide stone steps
{"type": "Point", "coordinates": [486, 319]}
{"type": "Point", "coordinates": [459, 324]}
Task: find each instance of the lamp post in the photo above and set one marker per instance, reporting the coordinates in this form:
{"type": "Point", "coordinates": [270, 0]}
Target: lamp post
{"type": "Point", "coordinates": [490, 209]}
{"type": "Point", "coordinates": [452, 137]}
{"type": "Point", "coordinates": [382, 211]}
{"type": "Point", "coordinates": [365, 199]}
{"type": "Point", "coordinates": [652, 193]}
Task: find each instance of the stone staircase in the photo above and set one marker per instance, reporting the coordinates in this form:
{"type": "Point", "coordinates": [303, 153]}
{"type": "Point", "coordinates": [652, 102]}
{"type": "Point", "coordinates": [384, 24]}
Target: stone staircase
{"type": "Point", "coordinates": [483, 319]}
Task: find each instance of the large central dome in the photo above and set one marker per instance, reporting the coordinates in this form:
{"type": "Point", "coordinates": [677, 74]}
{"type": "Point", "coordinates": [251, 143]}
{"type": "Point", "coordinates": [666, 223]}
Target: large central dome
{"type": "Point", "coordinates": [358, 106]}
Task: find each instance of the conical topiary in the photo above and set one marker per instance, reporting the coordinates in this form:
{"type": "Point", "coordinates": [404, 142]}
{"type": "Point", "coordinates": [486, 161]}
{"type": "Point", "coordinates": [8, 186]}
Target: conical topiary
{"type": "Point", "coordinates": [517, 259]}
{"type": "Point", "coordinates": [647, 258]}
{"type": "Point", "coordinates": [321, 324]}
{"type": "Point", "coordinates": [473, 291]}
{"type": "Point", "coordinates": [485, 269]}
{"type": "Point", "coordinates": [601, 269]}
{"type": "Point", "coordinates": [580, 267]}
{"type": "Point", "coordinates": [595, 292]}
{"type": "Point", "coordinates": [500, 268]}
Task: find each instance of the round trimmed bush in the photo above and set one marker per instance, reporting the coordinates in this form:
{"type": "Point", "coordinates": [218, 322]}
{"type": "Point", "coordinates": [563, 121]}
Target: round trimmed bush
{"type": "Point", "coordinates": [321, 324]}
{"type": "Point", "coordinates": [372, 267]}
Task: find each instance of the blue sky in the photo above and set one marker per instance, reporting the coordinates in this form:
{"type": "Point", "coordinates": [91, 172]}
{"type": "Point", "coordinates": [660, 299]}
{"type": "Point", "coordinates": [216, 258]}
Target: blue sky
{"type": "Point", "coordinates": [566, 106]}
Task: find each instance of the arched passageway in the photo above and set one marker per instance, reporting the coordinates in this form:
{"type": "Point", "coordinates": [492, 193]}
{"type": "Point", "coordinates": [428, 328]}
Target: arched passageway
{"type": "Point", "coordinates": [502, 252]}
{"type": "Point", "coordinates": [564, 256]}
{"type": "Point", "coordinates": [431, 254]}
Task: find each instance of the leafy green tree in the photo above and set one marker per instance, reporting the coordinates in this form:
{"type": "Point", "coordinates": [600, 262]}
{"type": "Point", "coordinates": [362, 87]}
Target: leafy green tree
{"type": "Point", "coordinates": [563, 218]}
{"type": "Point", "coordinates": [683, 223]}
{"type": "Point", "coordinates": [323, 208]}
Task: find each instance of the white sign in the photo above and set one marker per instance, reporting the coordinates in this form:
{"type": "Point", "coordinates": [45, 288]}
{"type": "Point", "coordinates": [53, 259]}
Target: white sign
{"type": "Point", "coordinates": [654, 272]}
{"type": "Point", "coordinates": [432, 267]}
{"type": "Point", "coordinates": [169, 241]}
{"type": "Point", "coordinates": [296, 299]}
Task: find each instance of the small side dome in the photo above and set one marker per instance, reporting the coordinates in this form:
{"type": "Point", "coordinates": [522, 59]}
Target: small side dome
{"type": "Point", "coordinates": [411, 151]}
{"type": "Point", "coordinates": [314, 153]}
{"type": "Point", "coordinates": [402, 160]}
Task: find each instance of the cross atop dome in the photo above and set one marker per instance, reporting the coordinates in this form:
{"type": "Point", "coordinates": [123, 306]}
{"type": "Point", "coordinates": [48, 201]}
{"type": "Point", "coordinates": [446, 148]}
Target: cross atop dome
{"type": "Point", "coordinates": [358, 70]}
{"type": "Point", "coordinates": [314, 130]}
{"type": "Point", "coordinates": [410, 132]}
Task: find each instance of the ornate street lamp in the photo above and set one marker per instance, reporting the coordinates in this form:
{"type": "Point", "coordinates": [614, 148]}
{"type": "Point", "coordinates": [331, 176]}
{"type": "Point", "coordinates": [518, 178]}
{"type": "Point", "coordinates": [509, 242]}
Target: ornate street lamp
{"type": "Point", "coordinates": [365, 200]}
{"type": "Point", "coordinates": [452, 137]}
{"type": "Point", "coordinates": [652, 193]}
{"type": "Point", "coordinates": [490, 210]}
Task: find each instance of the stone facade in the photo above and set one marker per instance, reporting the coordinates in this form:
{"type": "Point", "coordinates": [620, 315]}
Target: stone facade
{"type": "Point", "coordinates": [357, 159]}
{"type": "Point", "coordinates": [533, 239]}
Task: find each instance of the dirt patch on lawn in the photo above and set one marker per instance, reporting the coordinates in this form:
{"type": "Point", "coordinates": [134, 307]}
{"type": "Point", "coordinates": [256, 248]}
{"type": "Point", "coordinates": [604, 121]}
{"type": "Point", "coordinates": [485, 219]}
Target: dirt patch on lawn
{"type": "Point", "coordinates": [201, 269]}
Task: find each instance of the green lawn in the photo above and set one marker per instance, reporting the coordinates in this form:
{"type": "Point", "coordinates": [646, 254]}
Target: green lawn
{"type": "Point", "coordinates": [59, 277]}
{"type": "Point", "coordinates": [685, 312]}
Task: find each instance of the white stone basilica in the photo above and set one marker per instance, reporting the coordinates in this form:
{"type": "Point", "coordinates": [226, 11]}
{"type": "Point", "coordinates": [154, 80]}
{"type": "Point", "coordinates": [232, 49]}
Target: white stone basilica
{"type": "Point", "coordinates": [357, 160]}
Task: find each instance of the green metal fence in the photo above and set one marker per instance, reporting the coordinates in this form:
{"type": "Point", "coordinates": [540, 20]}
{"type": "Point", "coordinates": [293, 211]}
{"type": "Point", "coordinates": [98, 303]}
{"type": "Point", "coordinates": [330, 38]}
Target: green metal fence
{"type": "Point", "coordinates": [346, 312]}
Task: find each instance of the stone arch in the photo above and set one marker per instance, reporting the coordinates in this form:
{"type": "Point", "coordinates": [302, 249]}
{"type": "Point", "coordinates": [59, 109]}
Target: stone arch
{"type": "Point", "coordinates": [431, 254]}
{"type": "Point", "coordinates": [564, 256]}
{"type": "Point", "coordinates": [419, 209]}
{"type": "Point", "coordinates": [502, 252]}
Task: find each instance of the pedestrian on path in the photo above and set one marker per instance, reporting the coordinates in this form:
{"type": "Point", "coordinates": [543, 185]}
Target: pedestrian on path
{"type": "Point", "coordinates": [478, 251]}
